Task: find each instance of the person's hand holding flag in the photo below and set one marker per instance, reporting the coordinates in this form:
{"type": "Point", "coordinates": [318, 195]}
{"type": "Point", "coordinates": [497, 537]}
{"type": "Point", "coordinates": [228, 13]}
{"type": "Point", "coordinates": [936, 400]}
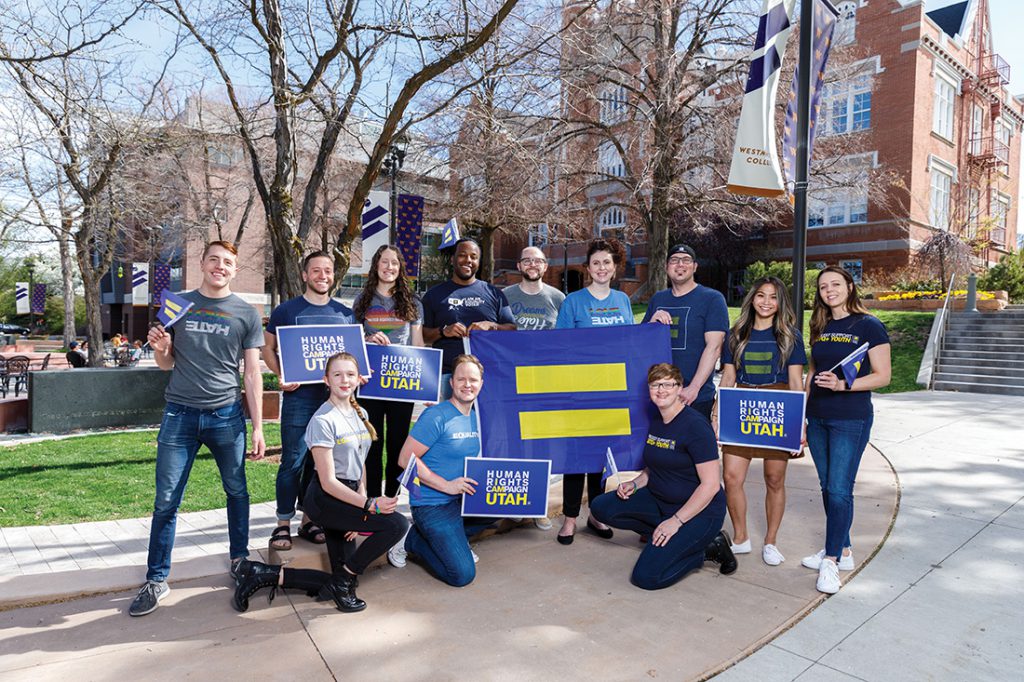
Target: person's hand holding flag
{"type": "Point", "coordinates": [410, 479]}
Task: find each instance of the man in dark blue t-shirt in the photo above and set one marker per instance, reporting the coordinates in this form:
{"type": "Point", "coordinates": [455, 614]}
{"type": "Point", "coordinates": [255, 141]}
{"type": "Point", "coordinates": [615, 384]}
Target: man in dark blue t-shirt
{"type": "Point", "coordinates": [463, 304]}
{"type": "Point", "coordinates": [699, 319]}
{"type": "Point", "coordinates": [299, 402]}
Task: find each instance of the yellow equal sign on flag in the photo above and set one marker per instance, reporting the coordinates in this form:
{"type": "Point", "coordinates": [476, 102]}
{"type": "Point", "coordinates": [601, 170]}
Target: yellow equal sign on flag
{"type": "Point", "coordinates": [171, 308]}
{"type": "Point", "coordinates": [577, 378]}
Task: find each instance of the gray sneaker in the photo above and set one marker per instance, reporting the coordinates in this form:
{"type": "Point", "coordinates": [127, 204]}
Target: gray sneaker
{"type": "Point", "coordinates": [146, 601]}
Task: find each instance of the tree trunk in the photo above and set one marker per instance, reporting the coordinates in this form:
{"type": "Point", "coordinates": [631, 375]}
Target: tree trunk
{"type": "Point", "coordinates": [93, 317]}
{"type": "Point", "coordinates": [285, 247]}
{"type": "Point", "coordinates": [67, 271]}
{"type": "Point", "coordinates": [486, 252]}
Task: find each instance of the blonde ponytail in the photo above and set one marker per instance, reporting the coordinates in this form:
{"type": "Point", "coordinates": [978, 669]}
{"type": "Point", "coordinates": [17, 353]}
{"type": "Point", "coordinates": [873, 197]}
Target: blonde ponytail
{"type": "Point", "coordinates": [362, 415]}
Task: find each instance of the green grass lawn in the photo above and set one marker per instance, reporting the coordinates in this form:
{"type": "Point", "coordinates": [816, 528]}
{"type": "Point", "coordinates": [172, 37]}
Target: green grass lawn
{"type": "Point", "coordinates": [108, 476]}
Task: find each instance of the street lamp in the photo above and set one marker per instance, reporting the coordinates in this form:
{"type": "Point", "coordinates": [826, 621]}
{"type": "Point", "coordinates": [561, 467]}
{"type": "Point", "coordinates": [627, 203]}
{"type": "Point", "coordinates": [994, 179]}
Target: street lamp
{"type": "Point", "coordinates": [392, 164]}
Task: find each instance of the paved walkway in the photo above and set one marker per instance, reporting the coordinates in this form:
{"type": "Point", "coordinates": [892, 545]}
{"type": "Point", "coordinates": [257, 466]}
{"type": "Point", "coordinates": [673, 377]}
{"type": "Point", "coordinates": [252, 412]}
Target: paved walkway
{"type": "Point", "coordinates": [943, 598]}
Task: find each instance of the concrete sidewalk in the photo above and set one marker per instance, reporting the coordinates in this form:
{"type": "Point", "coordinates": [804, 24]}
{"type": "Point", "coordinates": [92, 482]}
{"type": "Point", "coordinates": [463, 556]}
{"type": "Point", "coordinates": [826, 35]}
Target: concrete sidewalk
{"type": "Point", "coordinates": [536, 611]}
{"type": "Point", "coordinates": [940, 599]}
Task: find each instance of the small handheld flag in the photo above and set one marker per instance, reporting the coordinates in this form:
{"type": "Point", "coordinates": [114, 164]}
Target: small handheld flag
{"type": "Point", "coordinates": [410, 479]}
{"type": "Point", "coordinates": [851, 363]}
{"type": "Point", "coordinates": [610, 468]}
{"type": "Point", "coordinates": [449, 234]}
{"type": "Point", "coordinates": [172, 308]}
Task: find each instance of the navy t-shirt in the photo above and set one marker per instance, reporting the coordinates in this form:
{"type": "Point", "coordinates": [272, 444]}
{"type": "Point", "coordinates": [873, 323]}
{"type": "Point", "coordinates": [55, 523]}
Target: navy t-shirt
{"type": "Point", "coordinates": [448, 303]}
{"type": "Point", "coordinates": [671, 456]}
{"type": "Point", "coordinates": [702, 310]}
{"type": "Point", "coordinates": [298, 310]}
{"type": "Point", "coordinates": [760, 363]}
{"type": "Point", "coordinates": [839, 339]}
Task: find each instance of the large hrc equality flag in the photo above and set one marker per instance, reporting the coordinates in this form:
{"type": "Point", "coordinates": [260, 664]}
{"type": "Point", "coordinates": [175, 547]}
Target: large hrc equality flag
{"type": "Point", "coordinates": [568, 394]}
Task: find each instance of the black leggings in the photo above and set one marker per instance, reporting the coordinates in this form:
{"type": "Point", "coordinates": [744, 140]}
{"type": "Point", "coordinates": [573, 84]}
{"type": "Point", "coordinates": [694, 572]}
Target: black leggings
{"type": "Point", "coordinates": [338, 518]}
{"type": "Point", "coordinates": [572, 491]}
{"type": "Point", "coordinates": [398, 415]}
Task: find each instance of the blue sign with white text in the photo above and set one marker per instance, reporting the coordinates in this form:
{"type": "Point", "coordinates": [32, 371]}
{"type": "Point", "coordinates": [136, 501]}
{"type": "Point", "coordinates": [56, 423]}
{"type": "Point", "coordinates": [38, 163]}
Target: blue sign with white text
{"type": "Point", "coordinates": [761, 418]}
{"type": "Point", "coordinates": [404, 373]}
{"type": "Point", "coordinates": [305, 349]}
{"type": "Point", "coordinates": [507, 487]}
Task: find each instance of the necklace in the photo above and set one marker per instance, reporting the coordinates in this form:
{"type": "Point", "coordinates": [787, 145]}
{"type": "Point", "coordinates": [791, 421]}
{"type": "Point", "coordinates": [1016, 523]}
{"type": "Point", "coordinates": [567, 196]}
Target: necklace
{"type": "Point", "coordinates": [353, 426]}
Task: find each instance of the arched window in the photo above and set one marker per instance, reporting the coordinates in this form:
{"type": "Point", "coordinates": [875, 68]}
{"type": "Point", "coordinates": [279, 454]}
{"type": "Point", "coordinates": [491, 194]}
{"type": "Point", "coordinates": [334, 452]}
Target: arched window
{"type": "Point", "coordinates": [613, 103]}
{"type": "Point", "coordinates": [609, 162]}
{"type": "Point", "coordinates": [612, 218]}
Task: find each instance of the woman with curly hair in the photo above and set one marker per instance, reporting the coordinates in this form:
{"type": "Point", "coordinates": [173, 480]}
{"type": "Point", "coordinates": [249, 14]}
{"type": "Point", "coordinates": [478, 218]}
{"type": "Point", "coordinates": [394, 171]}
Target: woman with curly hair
{"type": "Point", "coordinates": [390, 314]}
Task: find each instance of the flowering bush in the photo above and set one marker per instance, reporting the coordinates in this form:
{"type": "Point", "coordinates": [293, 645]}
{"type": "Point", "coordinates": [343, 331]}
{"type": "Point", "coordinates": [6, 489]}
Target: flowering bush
{"type": "Point", "coordinates": [931, 295]}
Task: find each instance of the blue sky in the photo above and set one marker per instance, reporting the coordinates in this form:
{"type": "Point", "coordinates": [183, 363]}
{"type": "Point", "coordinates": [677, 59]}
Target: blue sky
{"type": "Point", "coordinates": [1007, 18]}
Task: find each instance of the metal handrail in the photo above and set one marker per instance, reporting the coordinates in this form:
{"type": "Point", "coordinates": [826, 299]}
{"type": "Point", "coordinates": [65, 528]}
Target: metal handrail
{"type": "Point", "coordinates": [941, 335]}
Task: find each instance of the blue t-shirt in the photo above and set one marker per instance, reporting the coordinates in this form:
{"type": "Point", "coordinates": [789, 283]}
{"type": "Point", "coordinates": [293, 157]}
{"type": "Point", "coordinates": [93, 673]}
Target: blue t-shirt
{"type": "Point", "coordinates": [760, 364]}
{"type": "Point", "coordinates": [702, 310]}
{"type": "Point", "coordinates": [450, 437]}
{"type": "Point", "coordinates": [298, 310]}
{"type": "Point", "coordinates": [448, 303]}
{"type": "Point", "coordinates": [839, 339]}
{"type": "Point", "coordinates": [671, 456]}
{"type": "Point", "coordinates": [580, 309]}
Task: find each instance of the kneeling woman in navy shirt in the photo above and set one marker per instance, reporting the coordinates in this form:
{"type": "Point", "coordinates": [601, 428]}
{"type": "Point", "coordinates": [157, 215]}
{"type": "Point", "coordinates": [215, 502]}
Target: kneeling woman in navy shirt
{"type": "Point", "coordinates": [677, 500]}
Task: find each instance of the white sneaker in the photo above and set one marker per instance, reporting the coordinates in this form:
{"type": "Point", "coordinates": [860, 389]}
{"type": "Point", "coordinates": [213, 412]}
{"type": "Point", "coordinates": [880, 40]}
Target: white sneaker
{"type": "Point", "coordinates": [742, 548]}
{"type": "Point", "coordinates": [771, 555]}
{"type": "Point", "coordinates": [813, 562]}
{"type": "Point", "coordinates": [543, 524]}
{"type": "Point", "coordinates": [828, 577]}
{"type": "Point", "coordinates": [397, 555]}
{"type": "Point", "coordinates": [476, 559]}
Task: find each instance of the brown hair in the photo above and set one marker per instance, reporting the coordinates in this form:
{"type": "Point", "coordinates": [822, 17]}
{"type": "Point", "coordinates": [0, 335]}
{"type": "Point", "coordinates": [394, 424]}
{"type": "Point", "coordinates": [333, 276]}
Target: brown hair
{"type": "Point", "coordinates": [352, 398]}
{"type": "Point", "coordinates": [783, 324]}
{"type": "Point", "coordinates": [315, 254]}
{"type": "Point", "coordinates": [227, 246]}
{"type": "Point", "coordinates": [405, 299]}
{"type": "Point", "coordinates": [664, 370]}
{"type": "Point", "coordinates": [821, 314]}
{"type": "Point", "coordinates": [467, 359]}
{"type": "Point", "coordinates": [611, 245]}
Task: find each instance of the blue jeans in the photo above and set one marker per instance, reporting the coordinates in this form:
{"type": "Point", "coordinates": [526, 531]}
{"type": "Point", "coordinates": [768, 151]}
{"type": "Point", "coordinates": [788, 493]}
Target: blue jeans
{"type": "Point", "coordinates": [642, 512]}
{"type": "Point", "coordinates": [836, 447]}
{"type": "Point", "coordinates": [183, 430]}
{"type": "Point", "coordinates": [296, 411]}
{"type": "Point", "coordinates": [440, 537]}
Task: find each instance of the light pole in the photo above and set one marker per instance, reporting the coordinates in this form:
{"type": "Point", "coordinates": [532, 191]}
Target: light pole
{"type": "Point", "coordinates": [392, 164]}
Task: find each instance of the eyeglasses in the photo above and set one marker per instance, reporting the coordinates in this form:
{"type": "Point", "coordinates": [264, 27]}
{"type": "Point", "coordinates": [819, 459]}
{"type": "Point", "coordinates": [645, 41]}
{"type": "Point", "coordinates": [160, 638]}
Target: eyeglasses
{"type": "Point", "coordinates": [533, 261]}
{"type": "Point", "coordinates": [663, 385]}
{"type": "Point", "coordinates": [680, 260]}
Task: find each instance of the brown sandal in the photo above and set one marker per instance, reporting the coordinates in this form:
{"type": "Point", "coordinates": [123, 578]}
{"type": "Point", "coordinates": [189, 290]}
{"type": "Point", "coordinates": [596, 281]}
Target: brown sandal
{"type": "Point", "coordinates": [281, 539]}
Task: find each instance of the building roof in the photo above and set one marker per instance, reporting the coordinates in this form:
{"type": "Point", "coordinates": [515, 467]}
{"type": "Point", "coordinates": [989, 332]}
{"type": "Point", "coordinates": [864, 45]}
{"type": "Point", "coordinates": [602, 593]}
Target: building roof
{"type": "Point", "coordinates": [950, 18]}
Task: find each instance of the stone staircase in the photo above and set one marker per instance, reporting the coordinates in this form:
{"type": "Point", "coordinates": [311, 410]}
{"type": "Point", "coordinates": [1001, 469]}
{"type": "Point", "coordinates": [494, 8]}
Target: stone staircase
{"type": "Point", "coordinates": [983, 353]}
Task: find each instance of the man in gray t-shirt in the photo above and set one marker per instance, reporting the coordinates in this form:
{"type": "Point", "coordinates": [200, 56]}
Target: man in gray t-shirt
{"type": "Point", "coordinates": [534, 304]}
{"type": "Point", "coordinates": [203, 350]}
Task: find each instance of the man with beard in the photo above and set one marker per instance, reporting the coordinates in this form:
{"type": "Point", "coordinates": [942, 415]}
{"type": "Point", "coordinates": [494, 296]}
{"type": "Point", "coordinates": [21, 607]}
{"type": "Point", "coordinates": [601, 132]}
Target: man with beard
{"type": "Point", "coordinates": [534, 304]}
{"type": "Point", "coordinates": [463, 304]}
{"type": "Point", "coordinates": [315, 306]}
{"type": "Point", "coordinates": [699, 318]}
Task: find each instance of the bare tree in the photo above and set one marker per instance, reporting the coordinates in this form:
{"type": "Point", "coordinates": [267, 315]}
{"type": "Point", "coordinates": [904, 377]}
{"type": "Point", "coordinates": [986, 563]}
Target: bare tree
{"type": "Point", "coordinates": [84, 25]}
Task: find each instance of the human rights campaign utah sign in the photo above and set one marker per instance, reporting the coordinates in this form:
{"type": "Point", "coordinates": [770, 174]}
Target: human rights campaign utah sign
{"type": "Point", "coordinates": [507, 487]}
{"type": "Point", "coordinates": [305, 349]}
{"type": "Point", "coordinates": [403, 373]}
{"type": "Point", "coordinates": [761, 418]}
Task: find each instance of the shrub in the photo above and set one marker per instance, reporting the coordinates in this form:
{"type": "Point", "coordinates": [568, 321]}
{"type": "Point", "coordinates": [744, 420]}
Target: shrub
{"type": "Point", "coordinates": [271, 382]}
{"type": "Point", "coordinates": [783, 271]}
{"type": "Point", "coordinates": [1008, 275]}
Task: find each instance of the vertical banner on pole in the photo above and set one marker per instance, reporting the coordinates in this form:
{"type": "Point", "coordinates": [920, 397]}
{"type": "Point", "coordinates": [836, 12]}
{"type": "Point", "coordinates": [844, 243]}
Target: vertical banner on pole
{"type": "Point", "coordinates": [21, 298]}
{"type": "Point", "coordinates": [376, 223]}
{"type": "Point", "coordinates": [161, 281]}
{"type": "Point", "coordinates": [39, 299]}
{"type": "Point", "coordinates": [140, 283]}
{"type": "Point", "coordinates": [408, 229]}
{"type": "Point", "coordinates": [755, 167]}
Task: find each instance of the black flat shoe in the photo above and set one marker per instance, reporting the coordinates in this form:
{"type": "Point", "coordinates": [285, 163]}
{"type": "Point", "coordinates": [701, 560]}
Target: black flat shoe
{"type": "Point", "coordinates": [605, 533]}
{"type": "Point", "coordinates": [719, 551]}
{"type": "Point", "coordinates": [565, 539]}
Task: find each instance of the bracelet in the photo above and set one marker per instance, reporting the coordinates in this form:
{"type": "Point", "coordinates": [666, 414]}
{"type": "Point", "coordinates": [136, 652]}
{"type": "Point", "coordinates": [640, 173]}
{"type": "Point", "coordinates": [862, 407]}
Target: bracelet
{"type": "Point", "coordinates": [634, 486]}
{"type": "Point", "coordinates": [443, 327]}
{"type": "Point", "coordinates": [366, 505]}
{"type": "Point", "coordinates": [376, 506]}
{"type": "Point", "coordinates": [677, 518]}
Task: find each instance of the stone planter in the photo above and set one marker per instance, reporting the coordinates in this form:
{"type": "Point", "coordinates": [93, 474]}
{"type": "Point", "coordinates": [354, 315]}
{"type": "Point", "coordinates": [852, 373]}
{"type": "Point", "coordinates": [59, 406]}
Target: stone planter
{"type": "Point", "coordinates": [930, 305]}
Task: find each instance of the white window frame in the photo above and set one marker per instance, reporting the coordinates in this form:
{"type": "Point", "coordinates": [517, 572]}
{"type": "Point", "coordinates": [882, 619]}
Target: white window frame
{"type": "Point", "coordinates": [973, 213]}
{"type": "Point", "coordinates": [613, 103]}
{"type": "Point", "coordinates": [611, 218]}
{"type": "Point", "coordinates": [943, 177]}
{"type": "Point", "coordinates": [845, 95]}
{"type": "Point", "coordinates": [854, 266]}
{"type": "Point", "coordinates": [1000, 212]}
{"type": "Point", "coordinates": [977, 129]}
{"type": "Point", "coordinates": [943, 103]}
{"type": "Point", "coordinates": [539, 235]}
{"type": "Point", "coordinates": [609, 161]}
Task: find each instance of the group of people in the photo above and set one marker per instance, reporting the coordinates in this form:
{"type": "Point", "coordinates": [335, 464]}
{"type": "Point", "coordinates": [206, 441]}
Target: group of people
{"type": "Point", "coordinates": [333, 465]}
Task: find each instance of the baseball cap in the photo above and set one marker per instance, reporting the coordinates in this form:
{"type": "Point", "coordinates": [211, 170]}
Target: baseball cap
{"type": "Point", "coordinates": [681, 248]}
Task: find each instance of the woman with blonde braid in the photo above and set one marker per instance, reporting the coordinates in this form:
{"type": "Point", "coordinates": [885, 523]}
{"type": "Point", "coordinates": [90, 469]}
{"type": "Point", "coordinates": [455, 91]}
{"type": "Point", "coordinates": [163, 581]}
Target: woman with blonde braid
{"type": "Point", "coordinates": [339, 436]}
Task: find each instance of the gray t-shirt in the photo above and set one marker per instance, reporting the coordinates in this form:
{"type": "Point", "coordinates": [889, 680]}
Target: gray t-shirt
{"type": "Point", "coordinates": [534, 311]}
{"type": "Point", "coordinates": [208, 347]}
{"type": "Point", "coordinates": [347, 437]}
{"type": "Point", "coordinates": [380, 317]}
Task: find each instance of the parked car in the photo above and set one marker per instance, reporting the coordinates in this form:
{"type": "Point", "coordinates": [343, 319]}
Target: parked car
{"type": "Point", "coordinates": [6, 328]}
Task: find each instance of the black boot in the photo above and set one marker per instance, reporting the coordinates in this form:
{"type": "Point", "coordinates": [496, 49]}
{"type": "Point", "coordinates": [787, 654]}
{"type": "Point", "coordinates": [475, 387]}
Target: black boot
{"type": "Point", "coordinates": [342, 589]}
{"type": "Point", "coordinates": [720, 552]}
{"type": "Point", "coordinates": [252, 577]}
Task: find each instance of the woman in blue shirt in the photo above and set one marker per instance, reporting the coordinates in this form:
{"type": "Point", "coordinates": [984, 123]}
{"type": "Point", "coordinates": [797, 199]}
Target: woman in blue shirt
{"type": "Point", "coordinates": [764, 349]}
{"type": "Point", "coordinates": [839, 415]}
{"type": "Point", "coordinates": [597, 305]}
